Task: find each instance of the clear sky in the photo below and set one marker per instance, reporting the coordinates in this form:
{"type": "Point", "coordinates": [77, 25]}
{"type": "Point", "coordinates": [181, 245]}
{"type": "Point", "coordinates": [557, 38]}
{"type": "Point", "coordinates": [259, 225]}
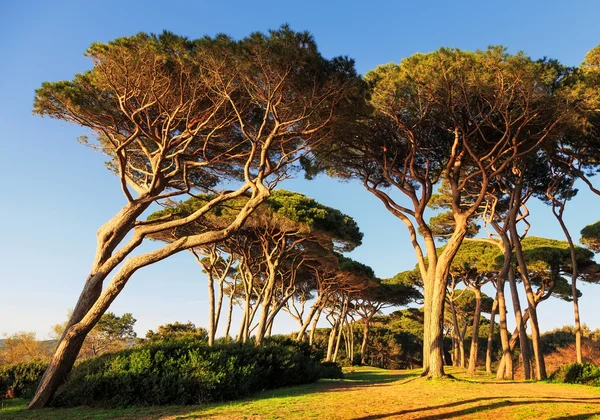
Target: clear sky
{"type": "Point", "coordinates": [56, 192]}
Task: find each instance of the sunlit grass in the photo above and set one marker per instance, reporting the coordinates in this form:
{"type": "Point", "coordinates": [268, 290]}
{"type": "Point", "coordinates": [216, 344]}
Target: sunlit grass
{"type": "Point", "coordinates": [369, 393]}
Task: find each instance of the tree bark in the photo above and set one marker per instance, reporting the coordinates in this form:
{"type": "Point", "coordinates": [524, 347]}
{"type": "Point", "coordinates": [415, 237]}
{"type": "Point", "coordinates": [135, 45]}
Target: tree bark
{"type": "Point", "coordinates": [533, 321]}
{"type": "Point", "coordinates": [490, 340]}
{"type": "Point", "coordinates": [474, 352]}
{"type": "Point", "coordinates": [507, 371]}
{"type": "Point", "coordinates": [229, 313]}
{"type": "Point", "coordinates": [331, 342]}
{"type": "Point", "coordinates": [311, 337]}
{"type": "Point", "coordinates": [524, 340]}
{"type": "Point", "coordinates": [363, 347]}
{"type": "Point", "coordinates": [211, 310]}
{"type": "Point", "coordinates": [574, 274]}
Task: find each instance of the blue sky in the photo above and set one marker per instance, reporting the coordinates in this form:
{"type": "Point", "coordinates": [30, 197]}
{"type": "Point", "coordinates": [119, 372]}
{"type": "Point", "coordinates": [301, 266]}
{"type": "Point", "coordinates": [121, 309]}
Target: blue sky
{"type": "Point", "coordinates": [57, 192]}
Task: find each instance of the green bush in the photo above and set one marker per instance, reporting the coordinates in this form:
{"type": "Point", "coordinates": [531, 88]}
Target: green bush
{"type": "Point", "coordinates": [331, 370]}
{"type": "Point", "coordinates": [189, 372]}
{"type": "Point", "coordinates": [21, 379]}
{"type": "Point", "coordinates": [577, 373]}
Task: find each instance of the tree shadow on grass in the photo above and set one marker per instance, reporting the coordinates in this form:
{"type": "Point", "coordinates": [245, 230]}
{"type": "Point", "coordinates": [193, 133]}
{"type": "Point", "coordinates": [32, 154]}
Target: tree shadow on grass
{"type": "Point", "coordinates": [505, 402]}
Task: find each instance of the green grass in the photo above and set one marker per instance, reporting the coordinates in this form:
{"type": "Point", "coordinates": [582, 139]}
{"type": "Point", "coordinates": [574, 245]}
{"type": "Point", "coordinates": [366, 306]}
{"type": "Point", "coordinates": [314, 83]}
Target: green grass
{"type": "Point", "coordinates": [369, 393]}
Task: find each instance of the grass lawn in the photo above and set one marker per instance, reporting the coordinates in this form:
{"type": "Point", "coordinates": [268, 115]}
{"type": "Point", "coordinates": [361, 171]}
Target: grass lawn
{"type": "Point", "coordinates": [369, 393]}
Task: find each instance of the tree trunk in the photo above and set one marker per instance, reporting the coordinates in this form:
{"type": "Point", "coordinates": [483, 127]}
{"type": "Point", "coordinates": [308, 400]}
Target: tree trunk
{"type": "Point", "coordinates": [524, 340]}
{"type": "Point", "coordinates": [533, 321]}
{"type": "Point", "coordinates": [574, 274]}
{"type": "Point", "coordinates": [331, 342]}
{"type": "Point", "coordinates": [241, 337]}
{"type": "Point", "coordinates": [311, 338]}
{"type": "Point", "coordinates": [490, 340]}
{"type": "Point", "coordinates": [474, 352]}
{"type": "Point", "coordinates": [436, 333]}
{"type": "Point", "coordinates": [363, 347]}
{"type": "Point", "coordinates": [229, 313]}
{"type": "Point", "coordinates": [93, 302]}
{"type": "Point", "coordinates": [211, 310]}
{"type": "Point", "coordinates": [506, 372]}
{"type": "Point", "coordinates": [436, 321]}
{"type": "Point", "coordinates": [455, 336]}
{"type": "Point", "coordinates": [313, 310]}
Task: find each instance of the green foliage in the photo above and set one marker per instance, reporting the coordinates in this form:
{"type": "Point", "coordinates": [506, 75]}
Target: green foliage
{"type": "Point", "coordinates": [577, 373]}
{"type": "Point", "coordinates": [189, 372]}
{"type": "Point", "coordinates": [21, 379]}
{"type": "Point", "coordinates": [590, 236]}
{"type": "Point", "coordinates": [564, 337]}
{"type": "Point", "coordinates": [331, 370]}
{"type": "Point", "coordinates": [177, 331]}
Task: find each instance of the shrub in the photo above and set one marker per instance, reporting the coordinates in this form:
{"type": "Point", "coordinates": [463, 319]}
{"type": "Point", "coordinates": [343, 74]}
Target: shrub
{"type": "Point", "coordinates": [21, 379]}
{"type": "Point", "coordinates": [331, 370]}
{"type": "Point", "coordinates": [189, 372]}
{"type": "Point", "coordinates": [577, 373]}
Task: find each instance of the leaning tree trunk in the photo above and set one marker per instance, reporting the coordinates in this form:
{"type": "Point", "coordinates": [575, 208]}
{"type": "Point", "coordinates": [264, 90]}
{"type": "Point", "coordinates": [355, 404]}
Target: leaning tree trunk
{"type": "Point", "coordinates": [311, 337]}
{"type": "Point", "coordinates": [473, 355]}
{"type": "Point", "coordinates": [108, 238]}
{"type": "Point", "coordinates": [313, 310]}
{"type": "Point", "coordinates": [490, 339]}
{"type": "Point", "coordinates": [331, 342]}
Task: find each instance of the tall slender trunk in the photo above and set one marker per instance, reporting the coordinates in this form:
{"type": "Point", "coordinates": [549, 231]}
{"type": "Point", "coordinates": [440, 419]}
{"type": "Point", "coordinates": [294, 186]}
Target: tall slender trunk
{"type": "Point", "coordinates": [331, 342]}
{"type": "Point", "coordinates": [311, 337]}
{"type": "Point", "coordinates": [211, 310]}
{"type": "Point", "coordinates": [313, 310]}
{"type": "Point", "coordinates": [507, 371]}
{"type": "Point", "coordinates": [461, 346]}
{"type": "Point", "coordinates": [219, 307]}
{"type": "Point", "coordinates": [455, 335]}
{"type": "Point", "coordinates": [241, 337]}
{"type": "Point", "coordinates": [363, 347]}
{"type": "Point", "coordinates": [533, 320]}
{"type": "Point", "coordinates": [229, 313]}
{"type": "Point", "coordinates": [474, 352]}
{"type": "Point", "coordinates": [574, 274]}
{"type": "Point", "coordinates": [524, 340]}
{"type": "Point", "coordinates": [490, 339]}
